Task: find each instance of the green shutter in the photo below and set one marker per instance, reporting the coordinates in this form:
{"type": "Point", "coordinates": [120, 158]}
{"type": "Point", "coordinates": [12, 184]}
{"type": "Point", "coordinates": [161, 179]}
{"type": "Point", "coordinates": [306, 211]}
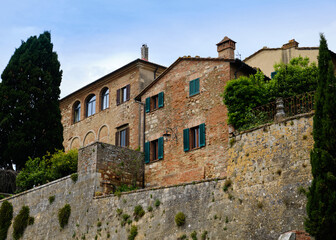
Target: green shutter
{"type": "Point", "coordinates": [160, 148]}
{"type": "Point", "coordinates": [196, 82]}
{"type": "Point", "coordinates": [147, 105]}
{"type": "Point", "coordinates": [160, 99]}
{"type": "Point", "coordinates": [147, 151]}
{"type": "Point", "coordinates": [186, 139]}
{"type": "Point", "coordinates": [191, 88]}
{"type": "Point", "coordinates": [202, 135]}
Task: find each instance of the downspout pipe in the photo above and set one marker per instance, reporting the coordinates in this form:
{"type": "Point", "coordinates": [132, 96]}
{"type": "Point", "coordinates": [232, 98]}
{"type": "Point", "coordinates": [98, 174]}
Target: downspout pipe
{"type": "Point", "coordinates": [143, 139]}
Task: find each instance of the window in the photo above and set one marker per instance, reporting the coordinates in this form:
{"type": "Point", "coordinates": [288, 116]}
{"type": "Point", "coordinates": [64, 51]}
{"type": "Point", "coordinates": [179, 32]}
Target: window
{"type": "Point", "coordinates": [123, 94]}
{"type": "Point", "coordinates": [105, 99]}
{"type": "Point", "coordinates": [77, 108]}
{"type": "Point", "coordinates": [273, 74]}
{"type": "Point", "coordinates": [122, 136]}
{"type": "Point", "coordinates": [154, 102]}
{"type": "Point", "coordinates": [194, 137]}
{"type": "Point", "coordinates": [154, 150]}
{"type": "Point", "coordinates": [194, 87]}
{"type": "Point", "coordinates": [91, 105]}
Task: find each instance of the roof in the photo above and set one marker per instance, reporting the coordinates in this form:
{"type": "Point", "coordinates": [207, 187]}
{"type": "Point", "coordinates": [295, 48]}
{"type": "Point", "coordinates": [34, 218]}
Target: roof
{"type": "Point", "coordinates": [225, 39]}
{"type": "Point", "coordinates": [272, 49]}
{"type": "Point", "coordinates": [135, 62]}
{"type": "Point", "coordinates": [241, 64]}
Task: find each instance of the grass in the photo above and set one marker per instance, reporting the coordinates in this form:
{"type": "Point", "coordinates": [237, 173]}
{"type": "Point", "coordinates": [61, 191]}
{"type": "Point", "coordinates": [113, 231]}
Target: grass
{"type": "Point", "coordinates": [180, 219]}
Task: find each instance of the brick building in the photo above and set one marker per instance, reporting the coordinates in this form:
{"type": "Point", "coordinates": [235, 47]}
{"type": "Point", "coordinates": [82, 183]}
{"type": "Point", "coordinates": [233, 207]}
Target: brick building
{"type": "Point", "coordinates": [105, 110]}
{"type": "Point", "coordinates": [186, 131]}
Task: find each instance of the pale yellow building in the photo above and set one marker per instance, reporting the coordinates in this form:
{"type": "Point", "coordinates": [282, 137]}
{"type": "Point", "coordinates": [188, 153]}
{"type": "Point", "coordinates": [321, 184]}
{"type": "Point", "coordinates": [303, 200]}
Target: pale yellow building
{"type": "Point", "coordinates": [265, 58]}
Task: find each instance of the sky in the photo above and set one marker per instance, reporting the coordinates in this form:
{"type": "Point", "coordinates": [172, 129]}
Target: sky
{"type": "Point", "coordinates": [94, 38]}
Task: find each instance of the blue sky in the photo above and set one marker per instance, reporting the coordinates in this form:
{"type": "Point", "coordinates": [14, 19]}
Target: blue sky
{"type": "Point", "coordinates": [93, 38]}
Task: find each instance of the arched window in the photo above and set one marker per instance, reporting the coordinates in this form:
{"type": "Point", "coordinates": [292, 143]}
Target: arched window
{"type": "Point", "coordinates": [105, 99]}
{"type": "Point", "coordinates": [77, 109]}
{"type": "Point", "coordinates": [91, 105]}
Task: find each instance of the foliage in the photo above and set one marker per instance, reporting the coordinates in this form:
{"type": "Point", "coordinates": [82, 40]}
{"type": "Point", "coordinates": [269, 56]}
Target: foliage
{"type": "Point", "coordinates": [51, 199]}
{"type": "Point", "coordinates": [180, 219]}
{"type": "Point", "coordinates": [149, 208]}
{"type": "Point", "coordinates": [63, 215]}
{"type": "Point", "coordinates": [124, 188]}
{"type": "Point", "coordinates": [30, 117]}
{"type": "Point", "coordinates": [157, 203]}
{"type": "Point", "coordinates": [7, 181]}
{"type": "Point", "coordinates": [294, 78]}
{"type": "Point", "coordinates": [138, 212]}
{"type": "Point", "coordinates": [50, 167]}
{"type": "Point", "coordinates": [242, 95]}
{"type": "Point", "coordinates": [74, 177]}
{"type": "Point", "coordinates": [246, 93]}
{"type": "Point", "coordinates": [6, 216]}
{"type": "Point", "coordinates": [321, 208]}
{"type": "Point", "coordinates": [21, 222]}
{"type": "Point", "coordinates": [193, 235]}
{"type": "Point", "coordinates": [204, 235]}
{"type": "Point", "coordinates": [133, 233]}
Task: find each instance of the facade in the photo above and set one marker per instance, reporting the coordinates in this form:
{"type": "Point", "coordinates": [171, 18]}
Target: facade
{"type": "Point", "coordinates": [105, 110]}
{"type": "Point", "coordinates": [186, 131]}
{"type": "Point", "coordinates": [265, 58]}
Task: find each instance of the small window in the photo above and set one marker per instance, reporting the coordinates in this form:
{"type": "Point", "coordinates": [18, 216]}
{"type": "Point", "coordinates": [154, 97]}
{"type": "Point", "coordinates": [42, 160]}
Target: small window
{"type": "Point", "coordinates": [194, 137]}
{"type": "Point", "coordinates": [154, 102]}
{"type": "Point", "coordinates": [91, 105]}
{"type": "Point", "coordinates": [105, 99]}
{"type": "Point", "coordinates": [122, 136]}
{"type": "Point", "coordinates": [123, 94]}
{"type": "Point", "coordinates": [194, 87]}
{"type": "Point", "coordinates": [77, 110]}
{"type": "Point", "coordinates": [154, 150]}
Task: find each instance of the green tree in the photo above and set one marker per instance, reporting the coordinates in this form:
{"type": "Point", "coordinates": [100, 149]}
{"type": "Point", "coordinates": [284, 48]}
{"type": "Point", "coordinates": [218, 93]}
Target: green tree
{"type": "Point", "coordinates": [321, 207]}
{"type": "Point", "coordinates": [294, 78]}
{"type": "Point", "coordinates": [242, 95]}
{"type": "Point", "coordinates": [30, 118]}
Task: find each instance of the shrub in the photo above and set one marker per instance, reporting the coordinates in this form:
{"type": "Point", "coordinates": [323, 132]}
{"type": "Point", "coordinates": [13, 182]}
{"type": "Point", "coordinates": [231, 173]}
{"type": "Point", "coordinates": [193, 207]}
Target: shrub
{"type": "Point", "coordinates": [20, 222]}
{"type": "Point", "coordinates": [204, 235]}
{"type": "Point", "coordinates": [119, 211]}
{"type": "Point", "coordinates": [138, 212]}
{"type": "Point", "coordinates": [51, 199]}
{"type": "Point", "coordinates": [227, 184]}
{"type": "Point", "coordinates": [63, 215]}
{"type": "Point", "coordinates": [150, 208]}
{"type": "Point", "coordinates": [50, 167]}
{"type": "Point", "coordinates": [7, 181]}
{"type": "Point", "coordinates": [157, 203]}
{"type": "Point", "coordinates": [180, 219]}
{"type": "Point", "coordinates": [193, 235]}
{"type": "Point", "coordinates": [133, 233]}
{"type": "Point", "coordinates": [74, 177]}
{"type": "Point", "coordinates": [183, 237]}
{"type": "Point", "coordinates": [6, 216]}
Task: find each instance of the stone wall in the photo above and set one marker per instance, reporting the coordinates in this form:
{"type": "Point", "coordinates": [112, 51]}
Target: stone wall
{"type": "Point", "coordinates": [261, 197]}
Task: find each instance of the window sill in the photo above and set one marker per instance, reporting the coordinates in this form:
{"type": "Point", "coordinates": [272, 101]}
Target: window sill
{"type": "Point", "coordinates": [154, 110]}
{"type": "Point", "coordinates": [194, 149]}
{"type": "Point", "coordinates": [121, 103]}
{"type": "Point", "coordinates": [195, 94]}
{"type": "Point", "coordinates": [154, 161]}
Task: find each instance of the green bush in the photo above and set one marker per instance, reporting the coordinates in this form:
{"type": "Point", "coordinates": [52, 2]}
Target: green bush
{"type": "Point", "coordinates": [21, 222]}
{"type": "Point", "coordinates": [180, 219]}
{"type": "Point", "coordinates": [63, 215]}
{"type": "Point", "coordinates": [6, 216]}
{"type": "Point", "coordinates": [138, 212]}
{"type": "Point", "coordinates": [133, 233]}
{"type": "Point", "coordinates": [157, 203]}
{"type": "Point", "coordinates": [245, 93]}
{"type": "Point", "coordinates": [51, 199]}
{"type": "Point", "coordinates": [193, 235]}
{"type": "Point", "coordinates": [50, 167]}
{"type": "Point", "coordinates": [74, 177]}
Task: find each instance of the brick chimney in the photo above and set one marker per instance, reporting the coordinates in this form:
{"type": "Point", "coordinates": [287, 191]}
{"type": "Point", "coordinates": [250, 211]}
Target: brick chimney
{"type": "Point", "coordinates": [225, 48]}
{"type": "Point", "coordinates": [144, 52]}
{"type": "Point", "coordinates": [291, 43]}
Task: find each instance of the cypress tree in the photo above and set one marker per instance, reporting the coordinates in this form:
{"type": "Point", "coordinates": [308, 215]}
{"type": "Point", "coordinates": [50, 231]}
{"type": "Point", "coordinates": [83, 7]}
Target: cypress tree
{"type": "Point", "coordinates": [30, 118]}
{"type": "Point", "coordinates": [321, 205]}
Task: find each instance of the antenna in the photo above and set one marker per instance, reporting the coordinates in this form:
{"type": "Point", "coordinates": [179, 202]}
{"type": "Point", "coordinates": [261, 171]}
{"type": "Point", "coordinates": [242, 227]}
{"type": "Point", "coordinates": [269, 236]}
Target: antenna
{"type": "Point", "coordinates": [238, 55]}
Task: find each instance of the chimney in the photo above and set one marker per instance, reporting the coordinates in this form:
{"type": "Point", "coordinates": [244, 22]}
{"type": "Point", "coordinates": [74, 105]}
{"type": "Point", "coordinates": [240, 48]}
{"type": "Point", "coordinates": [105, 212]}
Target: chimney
{"type": "Point", "coordinates": [291, 43]}
{"type": "Point", "coordinates": [225, 48]}
{"type": "Point", "coordinates": [144, 52]}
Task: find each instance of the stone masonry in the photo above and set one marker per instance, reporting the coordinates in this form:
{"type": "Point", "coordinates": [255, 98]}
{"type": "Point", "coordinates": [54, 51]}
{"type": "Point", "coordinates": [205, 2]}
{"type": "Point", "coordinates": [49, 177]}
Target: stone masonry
{"type": "Point", "coordinates": [268, 170]}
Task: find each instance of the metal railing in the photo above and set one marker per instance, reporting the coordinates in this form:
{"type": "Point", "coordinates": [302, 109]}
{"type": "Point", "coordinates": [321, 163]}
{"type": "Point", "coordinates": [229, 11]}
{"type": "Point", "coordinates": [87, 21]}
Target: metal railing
{"type": "Point", "coordinates": [299, 104]}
